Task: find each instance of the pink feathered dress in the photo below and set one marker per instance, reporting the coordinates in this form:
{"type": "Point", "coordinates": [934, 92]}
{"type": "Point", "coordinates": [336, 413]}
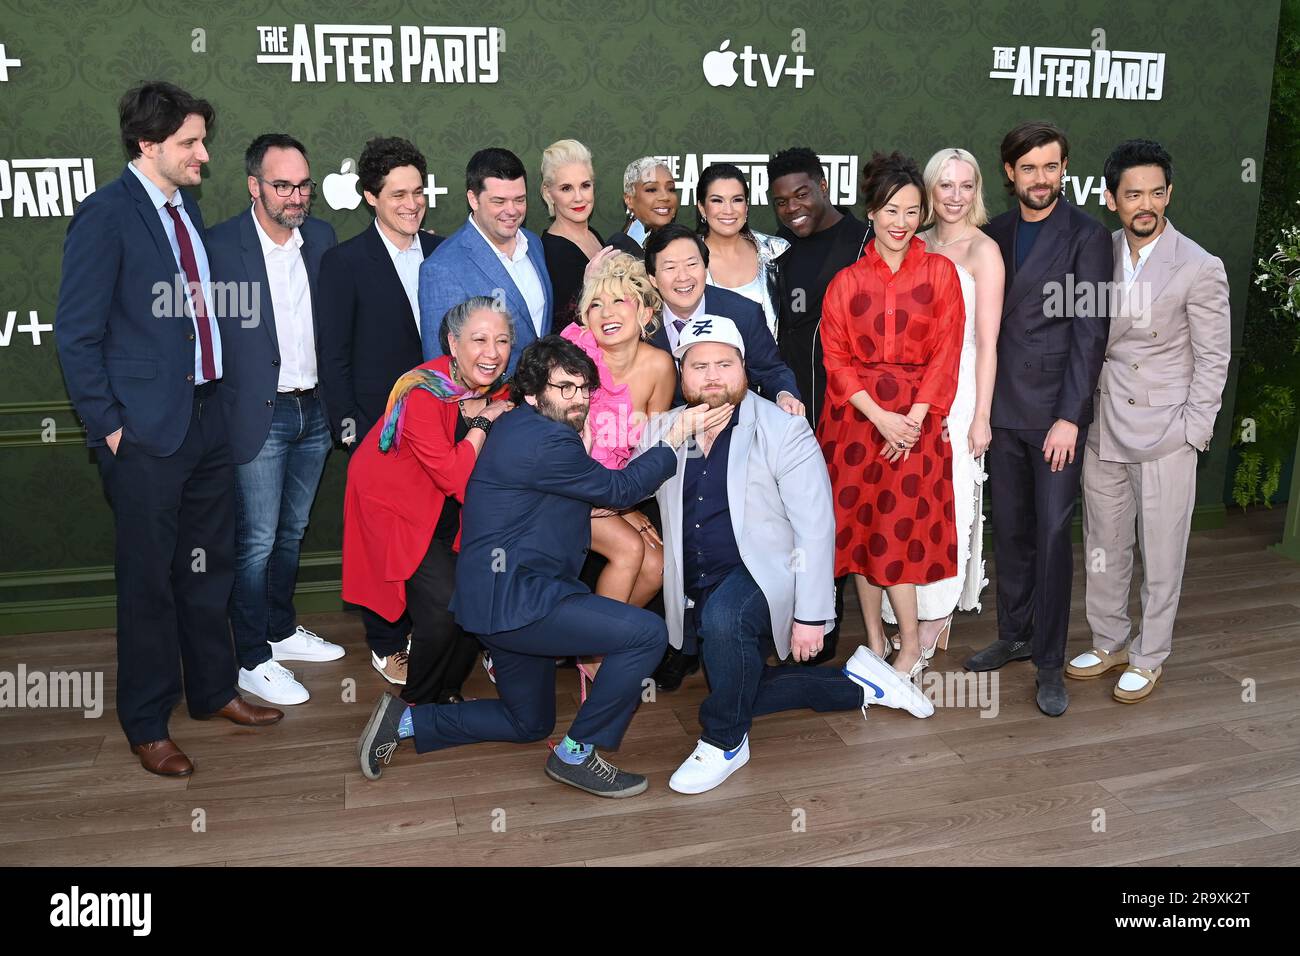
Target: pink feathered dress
{"type": "Point", "coordinates": [615, 426]}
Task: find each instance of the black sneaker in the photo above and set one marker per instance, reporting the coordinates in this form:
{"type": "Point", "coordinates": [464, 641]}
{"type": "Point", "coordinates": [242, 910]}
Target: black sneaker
{"type": "Point", "coordinates": [596, 776]}
{"type": "Point", "coordinates": [675, 668]}
{"type": "Point", "coordinates": [380, 739]}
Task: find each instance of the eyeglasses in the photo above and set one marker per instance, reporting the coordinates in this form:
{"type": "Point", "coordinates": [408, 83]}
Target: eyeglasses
{"type": "Point", "coordinates": [285, 190]}
{"type": "Point", "coordinates": [568, 388]}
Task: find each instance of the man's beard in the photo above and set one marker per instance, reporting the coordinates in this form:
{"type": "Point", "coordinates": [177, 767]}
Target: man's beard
{"type": "Point", "coordinates": [728, 396]}
{"type": "Point", "coordinates": [557, 414]}
{"type": "Point", "coordinates": [1027, 198]}
{"type": "Point", "coordinates": [1142, 233]}
{"type": "Point", "coordinates": [290, 219]}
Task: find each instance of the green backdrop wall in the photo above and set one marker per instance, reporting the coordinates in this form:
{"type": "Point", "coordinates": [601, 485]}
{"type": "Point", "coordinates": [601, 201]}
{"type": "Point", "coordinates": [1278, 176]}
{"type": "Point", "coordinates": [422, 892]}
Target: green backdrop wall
{"type": "Point", "coordinates": [627, 77]}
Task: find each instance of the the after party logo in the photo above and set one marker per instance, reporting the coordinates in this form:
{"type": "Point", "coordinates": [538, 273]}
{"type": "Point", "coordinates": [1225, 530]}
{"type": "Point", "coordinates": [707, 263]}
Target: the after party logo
{"type": "Point", "coordinates": [1080, 73]}
{"type": "Point", "coordinates": [358, 53]}
{"type": "Point", "coordinates": [44, 188]}
{"type": "Point", "coordinates": [720, 65]}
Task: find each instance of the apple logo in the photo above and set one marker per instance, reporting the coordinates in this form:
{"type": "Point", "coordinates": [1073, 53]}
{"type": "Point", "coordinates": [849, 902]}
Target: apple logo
{"type": "Point", "coordinates": [341, 188]}
{"type": "Point", "coordinates": [720, 66]}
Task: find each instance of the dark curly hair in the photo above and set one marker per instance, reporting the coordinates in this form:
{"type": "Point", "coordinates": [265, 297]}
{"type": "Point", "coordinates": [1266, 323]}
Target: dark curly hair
{"type": "Point", "coordinates": [382, 155]}
{"type": "Point", "coordinates": [796, 159]}
{"type": "Point", "coordinates": [1136, 152]}
{"type": "Point", "coordinates": [886, 175]}
{"type": "Point", "coordinates": [153, 111]}
{"type": "Point", "coordinates": [541, 357]}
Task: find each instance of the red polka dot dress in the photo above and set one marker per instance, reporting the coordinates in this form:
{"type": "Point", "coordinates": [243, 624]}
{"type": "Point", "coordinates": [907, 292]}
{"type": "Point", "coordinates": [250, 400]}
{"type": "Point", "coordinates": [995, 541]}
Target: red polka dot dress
{"type": "Point", "coordinates": [899, 337]}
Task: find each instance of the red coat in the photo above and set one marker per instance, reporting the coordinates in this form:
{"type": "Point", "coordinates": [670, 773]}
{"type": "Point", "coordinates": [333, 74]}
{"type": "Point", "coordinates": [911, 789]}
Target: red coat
{"type": "Point", "coordinates": [393, 501]}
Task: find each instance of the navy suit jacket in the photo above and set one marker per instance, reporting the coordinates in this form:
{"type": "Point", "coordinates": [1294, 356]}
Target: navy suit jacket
{"type": "Point", "coordinates": [464, 267]}
{"type": "Point", "coordinates": [526, 523]}
{"type": "Point", "coordinates": [767, 371]}
{"type": "Point", "coordinates": [366, 334]}
{"type": "Point", "coordinates": [1054, 321]}
{"type": "Point", "coordinates": [251, 349]}
{"type": "Point", "coordinates": [124, 366]}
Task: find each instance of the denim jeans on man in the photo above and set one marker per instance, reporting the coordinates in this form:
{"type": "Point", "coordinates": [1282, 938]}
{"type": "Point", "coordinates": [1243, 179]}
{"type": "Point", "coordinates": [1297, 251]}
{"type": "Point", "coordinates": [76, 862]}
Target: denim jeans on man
{"type": "Point", "coordinates": [735, 633]}
{"type": "Point", "coordinates": [275, 492]}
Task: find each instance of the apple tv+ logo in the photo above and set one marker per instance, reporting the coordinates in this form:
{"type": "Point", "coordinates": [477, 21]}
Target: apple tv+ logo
{"type": "Point", "coordinates": [720, 67]}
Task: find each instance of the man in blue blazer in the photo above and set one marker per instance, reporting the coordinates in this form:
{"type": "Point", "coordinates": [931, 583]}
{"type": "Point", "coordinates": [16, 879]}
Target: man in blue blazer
{"type": "Point", "coordinates": [368, 328]}
{"type": "Point", "coordinates": [677, 261]}
{"type": "Point", "coordinates": [492, 254]}
{"type": "Point", "coordinates": [1052, 340]}
{"type": "Point", "coordinates": [279, 434]}
{"type": "Point", "coordinates": [141, 355]}
{"type": "Point", "coordinates": [526, 527]}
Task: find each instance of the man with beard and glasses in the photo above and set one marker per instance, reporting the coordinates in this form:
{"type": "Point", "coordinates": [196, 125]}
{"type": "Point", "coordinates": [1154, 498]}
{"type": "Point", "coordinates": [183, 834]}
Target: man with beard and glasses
{"type": "Point", "coordinates": [1053, 336]}
{"type": "Point", "coordinates": [749, 542]}
{"type": "Point", "coordinates": [269, 258]}
{"type": "Point", "coordinates": [525, 530]}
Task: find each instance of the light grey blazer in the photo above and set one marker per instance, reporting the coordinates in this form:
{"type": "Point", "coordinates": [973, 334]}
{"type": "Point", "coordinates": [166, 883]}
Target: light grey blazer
{"type": "Point", "coordinates": [780, 499]}
{"type": "Point", "coordinates": [1161, 383]}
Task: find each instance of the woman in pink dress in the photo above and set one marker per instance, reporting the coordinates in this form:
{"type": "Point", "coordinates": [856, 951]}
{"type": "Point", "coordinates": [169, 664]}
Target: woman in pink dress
{"type": "Point", "coordinates": [637, 380]}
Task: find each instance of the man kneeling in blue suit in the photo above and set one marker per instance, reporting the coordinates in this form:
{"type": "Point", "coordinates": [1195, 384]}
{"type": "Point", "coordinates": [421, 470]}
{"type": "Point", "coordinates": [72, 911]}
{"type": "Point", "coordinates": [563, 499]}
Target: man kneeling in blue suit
{"type": "Point", "coordinates": [526, 527]}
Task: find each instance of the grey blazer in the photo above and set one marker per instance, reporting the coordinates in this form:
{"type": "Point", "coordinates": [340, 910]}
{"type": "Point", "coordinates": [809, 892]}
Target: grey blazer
{"type": "Point", "coordinates": [1167, 354]}
{"type": "Point", "coordinates": [780, 499]}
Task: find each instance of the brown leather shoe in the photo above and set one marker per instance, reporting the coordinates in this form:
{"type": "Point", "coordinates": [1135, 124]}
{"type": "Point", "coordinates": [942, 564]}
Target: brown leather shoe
{"type": "Point", "coordinates": [240, 711]}
{"type": "Point", "coordinates": [164, 758]}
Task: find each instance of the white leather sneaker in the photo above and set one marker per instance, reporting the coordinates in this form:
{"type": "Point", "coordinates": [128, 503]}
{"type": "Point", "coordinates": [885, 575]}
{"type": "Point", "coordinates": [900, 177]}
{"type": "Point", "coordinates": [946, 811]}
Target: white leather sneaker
{"type": "Point", "coordinates": [884, 685]}
{"type": "Point", "coordinates": [708, 767]}
{"type": "Point", "coordinates": [274, 683]}
{"type": "Point", "coordinates": [304, 645]}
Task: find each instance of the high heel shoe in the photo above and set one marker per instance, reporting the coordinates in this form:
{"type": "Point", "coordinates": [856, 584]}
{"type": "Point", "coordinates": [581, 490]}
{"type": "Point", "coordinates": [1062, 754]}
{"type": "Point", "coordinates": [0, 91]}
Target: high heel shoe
{"type": "Point", "coordinates": [940, 641]}
{"type": "Point", "coordinates": [586, 674]}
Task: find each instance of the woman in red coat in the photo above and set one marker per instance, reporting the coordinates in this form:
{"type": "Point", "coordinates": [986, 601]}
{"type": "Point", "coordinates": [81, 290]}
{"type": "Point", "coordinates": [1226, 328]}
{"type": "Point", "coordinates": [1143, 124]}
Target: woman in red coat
{"type": "Point", "coordinates": [406, 482]}
{"type": "Point", "coordinates": [891, 332]}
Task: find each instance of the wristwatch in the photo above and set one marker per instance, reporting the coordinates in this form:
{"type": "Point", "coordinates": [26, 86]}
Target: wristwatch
{"type": "Point", "coordinates": [479, 421]}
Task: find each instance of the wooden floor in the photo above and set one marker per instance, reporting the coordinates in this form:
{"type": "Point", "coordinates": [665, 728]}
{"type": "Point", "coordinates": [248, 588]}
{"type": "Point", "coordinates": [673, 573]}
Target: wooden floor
{"type": "Point", "coordinates": [1194, 775]}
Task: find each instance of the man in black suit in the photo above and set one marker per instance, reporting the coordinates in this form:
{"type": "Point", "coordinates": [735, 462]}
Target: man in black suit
{"type": "Point", "coordinates": [1053, 337]}
{"type": "Point", "coordinates": [369, 328]}
{"type": "Point", "coordinates": [279, 435]}
{"type": "Point", "coordinates": [142, 368]}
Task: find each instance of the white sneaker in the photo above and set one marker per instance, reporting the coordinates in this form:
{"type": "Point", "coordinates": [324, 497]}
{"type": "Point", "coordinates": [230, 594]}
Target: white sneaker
{"type": "Point", "coordinates": [708, 767]}
{"type": "Point", "coordinates": [304, 645]}
{"type": "Point", "coordinates": [884, 685]}
{"type": "Point", "coordinates": [274, 683]}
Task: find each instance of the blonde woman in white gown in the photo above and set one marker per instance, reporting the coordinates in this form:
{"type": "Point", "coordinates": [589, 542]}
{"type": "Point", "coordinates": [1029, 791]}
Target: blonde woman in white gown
{"type": "Point", "coordinates": [952, 177]}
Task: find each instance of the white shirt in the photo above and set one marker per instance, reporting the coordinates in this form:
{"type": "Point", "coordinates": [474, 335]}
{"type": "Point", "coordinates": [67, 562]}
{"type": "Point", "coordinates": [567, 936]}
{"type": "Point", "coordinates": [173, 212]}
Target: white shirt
{"type": "Point", "coordinates": [407, 262]}
{"type": "Point", "coordinates": [291, 304]}
{"type": "Point", "coordinates": [637, 233]}
{"type": "Point", "coordinates": [1130, 270]}
{"type": "Point", "coordinates": [670, 317]}
{"type": "Point", "coordinates": [524, 274]}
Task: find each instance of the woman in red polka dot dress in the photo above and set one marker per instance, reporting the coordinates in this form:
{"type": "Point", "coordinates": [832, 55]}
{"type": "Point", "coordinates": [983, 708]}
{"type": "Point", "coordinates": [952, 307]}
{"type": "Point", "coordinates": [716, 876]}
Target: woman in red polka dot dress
{"type": "Point", "coordinates": [891, 330]}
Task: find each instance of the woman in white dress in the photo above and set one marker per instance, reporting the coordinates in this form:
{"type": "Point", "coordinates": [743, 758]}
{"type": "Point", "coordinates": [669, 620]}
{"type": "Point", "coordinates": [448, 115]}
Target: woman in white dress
{"type": "Point", "coordinates": [952, 177]}
{"type": "Point", "coordinates": [740, 259]}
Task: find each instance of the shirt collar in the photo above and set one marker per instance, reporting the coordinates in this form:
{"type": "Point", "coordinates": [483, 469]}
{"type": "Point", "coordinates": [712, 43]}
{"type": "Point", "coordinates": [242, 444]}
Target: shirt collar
{"type": "Point", "coordinates": [637, 232]}
{"type": "Point", "coordinates": [156, 195]}
{"type": "Point", "coordinates": [1144, 253]}
{"type": "Point", "coordinates": [269, 245]}
{"type": "Point", "coordinates": [671, 316]}
{"type": "Point", "coordinates": [521, 242]}
{"type": "Point", "coordinates": [393, 251]}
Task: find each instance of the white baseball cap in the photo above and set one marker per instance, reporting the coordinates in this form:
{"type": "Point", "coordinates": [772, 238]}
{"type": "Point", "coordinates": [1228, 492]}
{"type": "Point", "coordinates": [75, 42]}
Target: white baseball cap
{"type": "Point", "coordinates": [709, 328]}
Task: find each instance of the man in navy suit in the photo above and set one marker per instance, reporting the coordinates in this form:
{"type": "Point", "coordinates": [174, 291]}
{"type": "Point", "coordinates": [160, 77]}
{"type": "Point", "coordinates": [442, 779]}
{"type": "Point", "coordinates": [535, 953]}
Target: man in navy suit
{"type": "Point", "coordinates": [368, 329]}
{"type": "Point", "coordinates": [1050, 347]}
{"type": "Point", "coordinates": [279, 434]}
{"type": "Point", "coordinates": [677, 261]}
{"type": "Point", "coordinates": [141, 355]}
{"type": "Point", "coordinates": [492, 254]}
{"type": "Point", "coordinates": [526, 526]}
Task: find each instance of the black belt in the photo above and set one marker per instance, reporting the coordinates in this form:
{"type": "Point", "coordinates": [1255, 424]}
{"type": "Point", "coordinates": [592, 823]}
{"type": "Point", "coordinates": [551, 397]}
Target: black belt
{"type": "Point", "coordinates": [297, 393]}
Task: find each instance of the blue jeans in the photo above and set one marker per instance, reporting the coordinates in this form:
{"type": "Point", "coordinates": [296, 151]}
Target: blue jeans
{"type": "Point", "coordinates": [274, 493]}
{"type": "Point", "coordinates": [735, 632]}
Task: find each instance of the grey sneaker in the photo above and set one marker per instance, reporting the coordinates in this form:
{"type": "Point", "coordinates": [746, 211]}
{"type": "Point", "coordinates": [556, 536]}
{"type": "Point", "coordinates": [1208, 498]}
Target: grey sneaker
{"type": "Point", "coordinates": [380, 739]}
{"type": "Point", "coordinates": [596, 776]}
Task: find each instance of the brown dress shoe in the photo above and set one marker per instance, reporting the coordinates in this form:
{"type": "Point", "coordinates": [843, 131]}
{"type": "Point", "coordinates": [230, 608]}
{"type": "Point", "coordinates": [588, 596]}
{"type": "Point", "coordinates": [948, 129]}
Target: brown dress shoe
{"type": "Point", "coordinates": [240, 711]}
{"type": "Point", "coordinates": [164, 758]}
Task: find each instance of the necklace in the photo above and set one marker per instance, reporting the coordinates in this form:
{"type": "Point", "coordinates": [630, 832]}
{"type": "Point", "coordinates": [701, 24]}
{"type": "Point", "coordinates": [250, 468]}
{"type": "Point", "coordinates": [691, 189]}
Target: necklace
{"type": "Point", "coordinates": [941, 244]}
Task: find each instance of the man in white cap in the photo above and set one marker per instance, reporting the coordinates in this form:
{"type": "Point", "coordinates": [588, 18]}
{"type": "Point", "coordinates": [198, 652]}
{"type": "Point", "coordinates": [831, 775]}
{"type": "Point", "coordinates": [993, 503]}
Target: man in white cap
{"type": "Point", "coordinates": [748, 561]}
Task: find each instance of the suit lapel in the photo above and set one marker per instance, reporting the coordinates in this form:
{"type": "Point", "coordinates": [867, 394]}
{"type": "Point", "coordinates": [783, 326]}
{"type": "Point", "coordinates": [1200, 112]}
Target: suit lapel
{"type": "Point", "coordinates": [1048, 247]}
{"type": "Point", "coordinates": [487, 262]}
{"type": "Point", "coordinates": [379, 252]}
{"type": "Point", "coordinates": [255, 269]}
{"type": "Point", "coordinates": [1150, 282]}
{"type": "Point", "coordinates": [742, 437]}
{"type": "Point", "coordinates": [150, 216]}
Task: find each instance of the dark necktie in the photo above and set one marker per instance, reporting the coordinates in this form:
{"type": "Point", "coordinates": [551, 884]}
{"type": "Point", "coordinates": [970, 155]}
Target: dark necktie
{"type": "Point", "coordinates": [191, 267]}
{"type": "Point", "coordinates": [679, 324]}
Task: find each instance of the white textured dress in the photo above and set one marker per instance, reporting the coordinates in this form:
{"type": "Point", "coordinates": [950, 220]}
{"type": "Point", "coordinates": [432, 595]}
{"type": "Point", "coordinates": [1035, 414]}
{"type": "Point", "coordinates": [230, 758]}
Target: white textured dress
{"type": "Point", "coordinates": [938, 599]}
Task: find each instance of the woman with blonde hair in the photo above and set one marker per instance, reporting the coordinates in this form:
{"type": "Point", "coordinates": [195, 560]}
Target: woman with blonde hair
{"type": "Point", "coordinates": [569, 191]}
{"type": "Point", "coordinates": [954, 186]}
{"type": "Point", "coordinates": [615, 319]}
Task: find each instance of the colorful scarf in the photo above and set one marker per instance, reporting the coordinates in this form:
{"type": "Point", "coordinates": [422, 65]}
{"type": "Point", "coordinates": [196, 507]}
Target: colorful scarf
{"type": "Point", "coordinates": [432, 380]}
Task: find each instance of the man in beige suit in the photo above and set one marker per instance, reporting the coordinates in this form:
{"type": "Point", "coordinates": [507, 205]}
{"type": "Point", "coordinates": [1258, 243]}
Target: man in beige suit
{"type": "Point", "coordinates": [1160, 389]}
